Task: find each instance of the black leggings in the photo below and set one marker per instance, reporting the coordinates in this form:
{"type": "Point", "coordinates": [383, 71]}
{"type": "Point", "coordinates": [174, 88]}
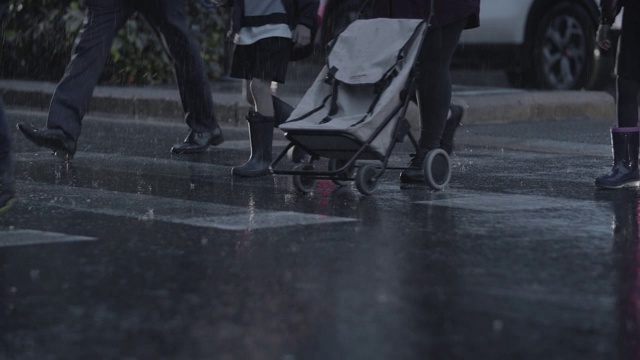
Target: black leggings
{"type": "Point", "coordinates": [434, 81]}
{"type": "Point", "coordinates": [628, 68]}
{"type": "Point", "coordinates": [627, 102]}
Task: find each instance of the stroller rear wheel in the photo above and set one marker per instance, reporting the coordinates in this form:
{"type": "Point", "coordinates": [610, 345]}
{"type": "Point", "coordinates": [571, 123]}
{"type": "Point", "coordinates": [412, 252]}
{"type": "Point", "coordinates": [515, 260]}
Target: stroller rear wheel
{"type": "Point", "coordinates": [335, 164]}
{"type": "Point", "coordinates": [304, 183]}
{"type": "Point", "coordinates": [436, 168]}
{"type": "Point", "coordinates": [367, 178]}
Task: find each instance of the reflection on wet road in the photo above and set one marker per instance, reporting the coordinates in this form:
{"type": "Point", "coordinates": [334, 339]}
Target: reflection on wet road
{"type": "Point", "coordinates": [132, 253]}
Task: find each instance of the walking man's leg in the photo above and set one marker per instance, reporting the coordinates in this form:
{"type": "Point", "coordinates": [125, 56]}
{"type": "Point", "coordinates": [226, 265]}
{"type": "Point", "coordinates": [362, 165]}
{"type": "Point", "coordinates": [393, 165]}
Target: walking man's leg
{"type": "Point", "coordinates": [73, 94]}
{"type": "Point", "coordinates": [168, 19]}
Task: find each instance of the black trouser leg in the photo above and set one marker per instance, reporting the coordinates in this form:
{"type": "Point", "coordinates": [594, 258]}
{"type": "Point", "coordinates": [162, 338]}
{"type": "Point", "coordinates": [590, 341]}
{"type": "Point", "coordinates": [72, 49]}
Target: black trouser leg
{"type": "Point", "coordinates": [168, 19]}
{"type": "Point", "coordinates": [261, 135]}
{"type": "Point", "coordinates": [92, 48]}
{"type": "Point", "coordinates": [627, 102]}
{"type": "Point", "coordinates": [434, 81]}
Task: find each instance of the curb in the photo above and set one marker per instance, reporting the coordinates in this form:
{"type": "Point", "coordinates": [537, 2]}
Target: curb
{"type": "Point", "coordinates": [485, 105]}
{"type": "Point", "coordinates": [533, 106]}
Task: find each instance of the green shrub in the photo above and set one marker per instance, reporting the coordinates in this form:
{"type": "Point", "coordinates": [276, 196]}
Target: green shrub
{"type": "Point", "coordinates": [38, 36]}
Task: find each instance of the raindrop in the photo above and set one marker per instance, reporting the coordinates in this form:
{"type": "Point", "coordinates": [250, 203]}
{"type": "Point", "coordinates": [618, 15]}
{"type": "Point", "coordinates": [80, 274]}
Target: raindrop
{"type": "Point", "coordinates": [35, 274]}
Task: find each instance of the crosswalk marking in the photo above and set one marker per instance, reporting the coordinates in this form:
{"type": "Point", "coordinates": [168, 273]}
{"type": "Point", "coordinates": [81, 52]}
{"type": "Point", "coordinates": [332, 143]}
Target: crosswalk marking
{"type": "Point", "coordinates": [260, 220]}
{"type": "Point", "coordinates": [32, 237]}
{"type": "Point", "coordinates": [496, 202]}
{"type": "Point", "coordinates": [128, 164]}
{"type": "Point", "coordinates": [177, 211]}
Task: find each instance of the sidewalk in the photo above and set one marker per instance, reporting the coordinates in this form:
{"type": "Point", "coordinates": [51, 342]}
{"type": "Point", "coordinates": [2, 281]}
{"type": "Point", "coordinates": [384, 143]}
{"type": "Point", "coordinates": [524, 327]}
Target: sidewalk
{"type": "Point", "coordinates": [162, 103]}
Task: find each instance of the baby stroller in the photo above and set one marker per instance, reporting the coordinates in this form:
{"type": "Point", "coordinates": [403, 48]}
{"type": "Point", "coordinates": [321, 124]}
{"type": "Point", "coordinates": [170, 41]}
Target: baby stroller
{"type": "Point", "coordinates": [354, 112]}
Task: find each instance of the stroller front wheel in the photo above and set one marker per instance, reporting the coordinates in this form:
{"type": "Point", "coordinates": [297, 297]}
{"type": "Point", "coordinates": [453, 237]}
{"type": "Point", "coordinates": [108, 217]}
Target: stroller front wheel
{"type": "Point", "coordinates": [304, 183]}
{"type": "Point", "coordinates": [367, 179]}
{"type": "Point", "coordinates": [436, 169]}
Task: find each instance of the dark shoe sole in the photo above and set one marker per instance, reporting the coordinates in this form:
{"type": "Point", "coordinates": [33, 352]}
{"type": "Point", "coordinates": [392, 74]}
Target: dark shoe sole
{"type": "Point", "coordinates": [186, 148]}
{"type": "Point", "coordinates": [249, 171]}
{"type": "Point", "coordinates": [58, 142]}
{"type": "Point", "coordinates": [628, 184]}
{"type": "Point", "coordinates": [250, 174]}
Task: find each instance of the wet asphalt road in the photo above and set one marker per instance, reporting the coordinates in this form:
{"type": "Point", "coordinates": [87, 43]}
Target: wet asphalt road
{"type": "Point", "coordinates": [132, 253]}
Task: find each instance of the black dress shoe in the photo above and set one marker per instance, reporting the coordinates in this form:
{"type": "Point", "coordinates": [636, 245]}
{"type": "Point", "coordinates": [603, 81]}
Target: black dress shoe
{"type": "Point", "coordinates": [450, 127]}
{"type": "Point", "coordinates": [413, 174]}
{"type": "Point", "coordinates": [55, 139]}
{"type": "Point", "coordinates": [197, 142]}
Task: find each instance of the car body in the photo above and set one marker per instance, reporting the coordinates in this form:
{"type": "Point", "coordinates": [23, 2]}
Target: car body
{"type": "Point", "coordinates": [547, 44]}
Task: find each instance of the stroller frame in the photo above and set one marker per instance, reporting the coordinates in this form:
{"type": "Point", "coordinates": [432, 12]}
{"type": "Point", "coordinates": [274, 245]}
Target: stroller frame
{"type": "Point", "coordinates": [357, 161]}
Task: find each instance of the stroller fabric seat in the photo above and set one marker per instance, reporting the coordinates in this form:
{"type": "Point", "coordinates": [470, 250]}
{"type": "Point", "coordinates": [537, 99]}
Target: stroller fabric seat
{"type": "Point", "coordinates": [357, 94]}
{"type": "Point", "coordinates": [368, 49]}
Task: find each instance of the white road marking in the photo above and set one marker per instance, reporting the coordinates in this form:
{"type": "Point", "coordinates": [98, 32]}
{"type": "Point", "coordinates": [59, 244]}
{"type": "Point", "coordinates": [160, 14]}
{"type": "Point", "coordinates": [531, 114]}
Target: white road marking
{"type": "Point", "coordinates": [495, 202]}
{"type": "Point", "coordinates": [177, 211]}
{"type": "Point", "coordinates": [33, 237]}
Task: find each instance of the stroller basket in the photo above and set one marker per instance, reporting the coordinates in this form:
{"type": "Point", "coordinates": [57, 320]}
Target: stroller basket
{"type": "Point", "coordinates": [367, 67]}
{"type": "Point", "coordinates": [355, 108]}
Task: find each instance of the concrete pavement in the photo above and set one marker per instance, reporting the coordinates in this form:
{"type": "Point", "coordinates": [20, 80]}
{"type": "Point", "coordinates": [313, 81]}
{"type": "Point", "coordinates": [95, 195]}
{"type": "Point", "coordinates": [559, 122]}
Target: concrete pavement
{"type": "Point", "coordinates": [486, 104]}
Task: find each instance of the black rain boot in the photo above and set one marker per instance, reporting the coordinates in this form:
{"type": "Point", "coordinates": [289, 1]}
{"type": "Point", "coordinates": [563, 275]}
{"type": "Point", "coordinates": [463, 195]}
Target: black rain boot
{"type": "Point", "coordinates": [261, 135]}
{"type": "Point", "coordinates": [624, 173]}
